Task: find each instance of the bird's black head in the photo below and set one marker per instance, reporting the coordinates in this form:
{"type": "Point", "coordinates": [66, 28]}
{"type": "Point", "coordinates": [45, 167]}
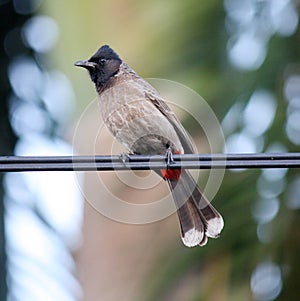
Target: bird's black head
{"type": "Point", "coordinates": [104, 64]}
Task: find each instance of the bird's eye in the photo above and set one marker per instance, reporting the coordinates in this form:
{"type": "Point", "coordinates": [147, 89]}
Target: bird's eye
{"type": "Point", "coordinates": [102, 60]}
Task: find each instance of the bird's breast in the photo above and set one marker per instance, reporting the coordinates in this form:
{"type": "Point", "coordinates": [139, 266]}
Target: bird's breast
{"type": "Point", "coordinates": [135, 121]}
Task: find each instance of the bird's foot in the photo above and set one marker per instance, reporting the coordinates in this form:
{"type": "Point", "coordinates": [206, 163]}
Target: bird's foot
{"type": "Point", "coordinates": [169, 157]}
{"type": "Point", "coordinates": [124, 157]}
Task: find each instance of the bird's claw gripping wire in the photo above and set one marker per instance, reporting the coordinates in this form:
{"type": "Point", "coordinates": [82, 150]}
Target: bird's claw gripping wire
{"type": "Point", "coordinates": [169, 157]}
{"type": "Point", "coordinates": [124, 158]}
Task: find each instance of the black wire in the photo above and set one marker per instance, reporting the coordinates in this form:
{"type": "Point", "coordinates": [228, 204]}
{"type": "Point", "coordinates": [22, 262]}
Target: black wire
{"type": "Point", "coordinates": [144, 162]}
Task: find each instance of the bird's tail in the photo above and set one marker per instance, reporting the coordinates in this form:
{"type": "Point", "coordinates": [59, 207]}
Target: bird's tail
{"type": "Point", "coordinates": [197, 217]}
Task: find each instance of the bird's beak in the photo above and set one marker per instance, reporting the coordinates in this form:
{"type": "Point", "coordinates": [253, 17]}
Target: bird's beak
{"type": "Point", "coordinates": [85, 64]}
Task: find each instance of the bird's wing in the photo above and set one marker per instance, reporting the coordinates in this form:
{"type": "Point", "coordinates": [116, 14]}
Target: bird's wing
{"type": "Point", "coordinates": [162, 106]}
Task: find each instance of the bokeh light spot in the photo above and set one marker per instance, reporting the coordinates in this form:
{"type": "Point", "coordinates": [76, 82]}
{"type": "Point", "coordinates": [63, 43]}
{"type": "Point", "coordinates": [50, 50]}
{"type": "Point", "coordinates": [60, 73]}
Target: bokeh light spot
{"type": "Point", "coordinates": [41, 33]}
{"type": "Point", "coordinates": [247, 52]}
{"type": "Point", "coordinates": [259, 112]}
{"type": "Point", "coordinates": [284, 17]}
{"type": "Point", "coordinates": [266, 282]}
{"type": "Point", "coordinates": [25, 78]}
{"type": "Point", "coordinates": [265, 210]}
{"type": "Point", "coordinates": [241, 143]}
{"type": "Point", "coordinates": [24, 7]}
{"type": "Point", "coordinates": [293, 201]}
{"type": "Point", "coordinates": [293, 127]}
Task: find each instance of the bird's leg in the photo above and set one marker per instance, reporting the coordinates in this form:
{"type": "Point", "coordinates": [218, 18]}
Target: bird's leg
{"type": "Point", "coordinates": [124, 157]}
{"type": "Point", "coordinates": [169, 157]}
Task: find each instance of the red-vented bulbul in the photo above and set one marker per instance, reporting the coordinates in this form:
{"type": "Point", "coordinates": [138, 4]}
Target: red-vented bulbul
{"type": "Point", "coordinates": [141, 120]}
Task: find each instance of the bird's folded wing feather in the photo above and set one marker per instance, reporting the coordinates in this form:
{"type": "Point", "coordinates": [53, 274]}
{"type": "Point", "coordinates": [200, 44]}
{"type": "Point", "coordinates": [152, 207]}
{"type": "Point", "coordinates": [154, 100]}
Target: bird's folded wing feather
{"type": "Point", "coordinates": [162, 106]}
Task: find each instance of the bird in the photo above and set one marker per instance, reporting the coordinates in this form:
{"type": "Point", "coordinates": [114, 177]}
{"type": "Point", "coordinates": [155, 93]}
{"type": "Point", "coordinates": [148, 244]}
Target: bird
{"type": "Point", "coordinates": [140, 119]}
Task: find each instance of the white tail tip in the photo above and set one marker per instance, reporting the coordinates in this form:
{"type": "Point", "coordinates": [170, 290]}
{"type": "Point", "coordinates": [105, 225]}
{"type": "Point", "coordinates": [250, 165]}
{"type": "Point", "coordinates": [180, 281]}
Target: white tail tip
{"type": "Point", "coordinates": [214, 226]}
{"type": "Point", "coordinates": [192, 237]}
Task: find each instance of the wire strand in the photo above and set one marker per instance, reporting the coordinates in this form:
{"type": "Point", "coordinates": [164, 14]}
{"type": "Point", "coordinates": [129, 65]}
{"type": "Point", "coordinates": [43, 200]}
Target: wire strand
{"type": "Point", "coordinates": [145, 162]}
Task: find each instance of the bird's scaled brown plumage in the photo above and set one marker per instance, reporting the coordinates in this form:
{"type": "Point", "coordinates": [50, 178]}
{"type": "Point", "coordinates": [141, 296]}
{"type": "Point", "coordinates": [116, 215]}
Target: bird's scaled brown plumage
{"type": "Point", "coordinates": [141, 120]}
